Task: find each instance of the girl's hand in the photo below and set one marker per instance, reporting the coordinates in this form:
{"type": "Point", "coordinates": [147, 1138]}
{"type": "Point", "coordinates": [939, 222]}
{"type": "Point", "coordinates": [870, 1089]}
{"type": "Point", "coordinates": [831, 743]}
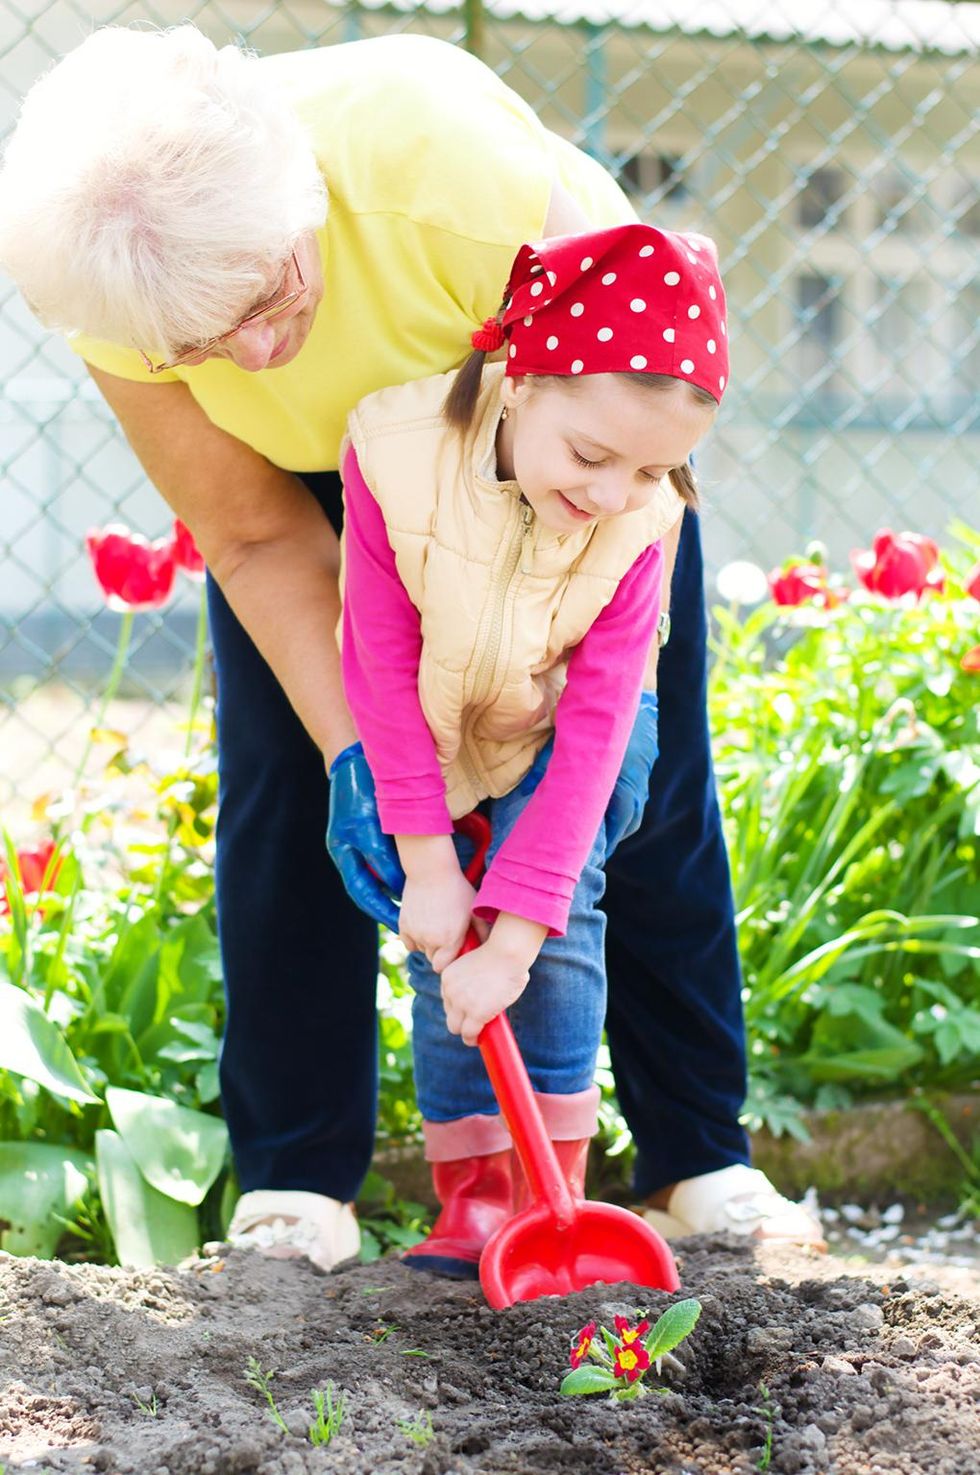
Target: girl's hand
{"type": "Point", "coordinates": [479, 986]}
{"type": "Point", "coordinates": [437, 908]}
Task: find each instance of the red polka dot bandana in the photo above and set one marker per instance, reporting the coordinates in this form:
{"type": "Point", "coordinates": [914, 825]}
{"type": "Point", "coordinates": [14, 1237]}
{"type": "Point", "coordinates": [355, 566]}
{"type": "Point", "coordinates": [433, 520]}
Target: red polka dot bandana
{"type": "Point", "coordinates": [629, 298]}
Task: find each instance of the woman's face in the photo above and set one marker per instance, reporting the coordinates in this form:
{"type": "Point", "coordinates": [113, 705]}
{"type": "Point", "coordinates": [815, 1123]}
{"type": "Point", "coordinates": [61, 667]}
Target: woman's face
{"type": "Point", "coordinates": [595, 447]}
{"type": "Point", "coordinates": [270, 344]}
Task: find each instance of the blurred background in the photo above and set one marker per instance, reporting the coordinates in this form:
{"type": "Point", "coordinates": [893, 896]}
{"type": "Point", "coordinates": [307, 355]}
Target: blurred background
{"type": "Point", "coordinates": [831, 149]}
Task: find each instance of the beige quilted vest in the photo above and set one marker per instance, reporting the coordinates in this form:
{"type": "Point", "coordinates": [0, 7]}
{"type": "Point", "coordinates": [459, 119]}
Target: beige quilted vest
{"type": "Point", "coordinates": [503, 601]}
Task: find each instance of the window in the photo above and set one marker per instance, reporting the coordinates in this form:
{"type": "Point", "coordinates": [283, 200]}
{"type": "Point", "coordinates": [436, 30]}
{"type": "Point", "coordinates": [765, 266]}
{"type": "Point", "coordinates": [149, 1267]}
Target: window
{"type": "Point", "coordinates": [899, 203]}
{"type": "Point", "coordinates": [965, 208]}
{"type": "Point", "coordinates": [821, 193]}
{"type": "Point", "coordinates": [653, 174]}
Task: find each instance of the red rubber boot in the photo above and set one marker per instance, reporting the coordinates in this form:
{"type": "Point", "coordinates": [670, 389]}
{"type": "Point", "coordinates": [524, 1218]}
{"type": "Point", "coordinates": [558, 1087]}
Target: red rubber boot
{"type": "Point", "coordinates": [475, 1194]}
{"type": "Point", "coordinates": [572, 1157]}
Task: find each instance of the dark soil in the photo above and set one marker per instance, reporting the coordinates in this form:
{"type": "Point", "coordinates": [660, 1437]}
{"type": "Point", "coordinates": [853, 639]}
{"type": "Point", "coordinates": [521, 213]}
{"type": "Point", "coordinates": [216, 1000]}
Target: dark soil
{"type": "Point", "coordinates": [863, 1377]}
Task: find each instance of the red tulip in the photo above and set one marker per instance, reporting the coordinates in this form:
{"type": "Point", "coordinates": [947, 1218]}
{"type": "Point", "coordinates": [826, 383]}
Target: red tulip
{"type": "Point", "coordinates": [972, 585]}
{"type": "Point", "coordinates": [971, 661]}
{"type": "Point", "coordinates": [133, 572]}
{"type": "Point", "coordinates": [799, 582]}
{"type": "Point", "coordinates": [897, 564]}
{"type": "Point", "coordinates": [33, 865]}
{"type": "Point", "coordinates": [186, 555]}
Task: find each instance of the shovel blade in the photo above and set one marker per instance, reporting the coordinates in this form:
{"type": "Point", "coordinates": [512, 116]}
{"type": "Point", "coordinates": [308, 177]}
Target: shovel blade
{"type": "Point", "coordinates": [531, 1256]}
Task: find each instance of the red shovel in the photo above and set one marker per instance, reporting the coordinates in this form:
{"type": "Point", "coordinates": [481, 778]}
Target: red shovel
{"type": "Point", "coordinates": [560, 1243]}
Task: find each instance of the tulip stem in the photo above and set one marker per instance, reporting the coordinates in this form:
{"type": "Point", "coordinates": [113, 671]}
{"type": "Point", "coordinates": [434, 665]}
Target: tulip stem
{"type": "Point", "coordinates": [197, 686]}
{"type": "Point", "coordinates": [111, 687]}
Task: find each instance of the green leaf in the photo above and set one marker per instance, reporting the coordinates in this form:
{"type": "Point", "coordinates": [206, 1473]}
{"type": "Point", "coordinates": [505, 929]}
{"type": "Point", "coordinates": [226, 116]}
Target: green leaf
{"type": "Point", "coordinates": [148, 1227]}
{"type": "Point", "coordinates": [38, 1181]}
{"type": "Point", "coordinates": [677, 1322]}
{"type": "Point", "coordinates": [178, 1150]}
{"type": "Point", "coordinates": [859, 1047]}
{"type": "Point", "coordinates": [31, 1045]}
{"type": "Point", "coordinates": [587, 1379]}
{"type": "Point", "coordinates": [208, 1084]}
{"type": "Point", "coordinates": [132, 969]}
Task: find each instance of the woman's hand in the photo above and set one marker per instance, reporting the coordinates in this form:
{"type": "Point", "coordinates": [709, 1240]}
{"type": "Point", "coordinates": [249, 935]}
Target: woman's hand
{"type": "Point", "coordinates": [483, 983]}
{"type": "Point", "coordinates": [363, 854]}
{"type": "Point", "coordinates": [437, 902]}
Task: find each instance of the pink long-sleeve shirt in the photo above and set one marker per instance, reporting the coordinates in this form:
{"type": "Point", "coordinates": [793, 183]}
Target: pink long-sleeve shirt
{"type": "Point", "coordinates": [536, 870]}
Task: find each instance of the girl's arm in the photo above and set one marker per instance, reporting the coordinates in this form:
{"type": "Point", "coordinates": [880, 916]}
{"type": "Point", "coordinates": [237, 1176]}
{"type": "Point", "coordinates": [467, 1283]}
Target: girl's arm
{"type": "Point", "coordinates": [382, 644]}
{"type": "Point", "coordinates": [536, 870]}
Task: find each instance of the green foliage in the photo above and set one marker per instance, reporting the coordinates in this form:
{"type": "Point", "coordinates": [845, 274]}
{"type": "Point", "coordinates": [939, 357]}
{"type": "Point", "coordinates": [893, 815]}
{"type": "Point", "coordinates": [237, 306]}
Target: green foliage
{"type": "Point", "coordinates": [398, 1113]}
{"type": "Point", "coordinates": [328, 1416]}
{"type": "Point", "coordinates": [260, 1381]}
{"type": "Point", "coordinates": [418, 1429]}
{"type": "Point", "coordinates": [602, 1373]}
{"type": "Point", "coordinates": [386, 1221]}
{"type": "Point", "coordinates": [768, 1412]}
{"type": "Point", "coordinates": [968, 1161]}
{"type": "Point", "coordinates": [847, 746]}
{"type": "Point", "coordinates": [110, 1019]}
{"type": "Point", "coordinates": [847, 749]}
{"type": "Point", "coordinates": [587, 1379]}
{"type": "Point", "coordinates": [676, 1323]}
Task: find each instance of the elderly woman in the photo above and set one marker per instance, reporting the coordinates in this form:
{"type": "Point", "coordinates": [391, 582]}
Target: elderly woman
{"type": "Point", "coordinates": [240, 249]}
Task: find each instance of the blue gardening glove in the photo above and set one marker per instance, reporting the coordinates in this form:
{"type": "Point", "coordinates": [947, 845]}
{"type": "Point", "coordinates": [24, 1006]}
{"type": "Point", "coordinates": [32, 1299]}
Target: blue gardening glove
{"type": "Point", "coordinates": [629, 797]}
{"type": "Point", "coordinates": [365, 856]}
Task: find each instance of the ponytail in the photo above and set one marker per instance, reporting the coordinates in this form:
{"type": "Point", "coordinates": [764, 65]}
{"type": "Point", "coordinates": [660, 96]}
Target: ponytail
{"type": "Point", "coordinates": [459, 406]}
{"type": "Point", "coordinates": [684, 482]}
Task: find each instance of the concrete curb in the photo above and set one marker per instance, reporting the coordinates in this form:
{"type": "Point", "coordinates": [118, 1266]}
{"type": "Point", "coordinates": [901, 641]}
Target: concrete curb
{"type": "Point", "coordinates": [881, 1150]}
{"type": "Point", "coordinates": [878, 1150]}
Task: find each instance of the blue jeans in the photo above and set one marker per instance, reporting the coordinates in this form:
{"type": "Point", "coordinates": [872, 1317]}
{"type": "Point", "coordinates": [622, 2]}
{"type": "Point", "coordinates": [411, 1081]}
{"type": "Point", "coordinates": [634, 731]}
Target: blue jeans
{"type": "Point", "coordinates": [557, 1020]}
{"type": "Point", "coordinates": [299, 1058]}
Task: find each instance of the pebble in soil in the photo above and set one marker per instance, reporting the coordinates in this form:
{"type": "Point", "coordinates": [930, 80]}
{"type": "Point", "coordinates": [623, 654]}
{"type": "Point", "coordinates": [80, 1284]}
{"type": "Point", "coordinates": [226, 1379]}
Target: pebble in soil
{"type": "Point", "coordinates": [143, 1372]}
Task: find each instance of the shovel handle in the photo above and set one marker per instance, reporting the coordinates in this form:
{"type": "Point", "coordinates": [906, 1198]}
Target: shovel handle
{"type": "Point", "coordinates": [508, 1073]}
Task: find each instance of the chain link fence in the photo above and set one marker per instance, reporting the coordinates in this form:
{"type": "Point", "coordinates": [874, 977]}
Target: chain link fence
{"type": "Point", "coordinates": [831, 149]}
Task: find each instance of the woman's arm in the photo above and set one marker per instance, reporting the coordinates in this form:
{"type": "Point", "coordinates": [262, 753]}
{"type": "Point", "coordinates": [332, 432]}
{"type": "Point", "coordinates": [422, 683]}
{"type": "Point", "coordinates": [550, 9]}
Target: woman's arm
{"type": "Point", "coordinates": [263, 536]}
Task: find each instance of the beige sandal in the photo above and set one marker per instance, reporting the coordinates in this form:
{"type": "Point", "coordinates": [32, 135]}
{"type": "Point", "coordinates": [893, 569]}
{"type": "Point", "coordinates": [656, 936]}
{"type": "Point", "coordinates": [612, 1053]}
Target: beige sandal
{"type": "Point", "coordinates": [740, 1200]}
{"type": "Point", "coordinates": [287, 1224]}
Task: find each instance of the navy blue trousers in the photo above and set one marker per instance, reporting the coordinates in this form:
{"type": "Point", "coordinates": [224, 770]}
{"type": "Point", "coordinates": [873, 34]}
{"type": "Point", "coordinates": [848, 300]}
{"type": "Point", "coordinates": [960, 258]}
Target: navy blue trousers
{"type": "Point", "coordinates": [299, 1058]}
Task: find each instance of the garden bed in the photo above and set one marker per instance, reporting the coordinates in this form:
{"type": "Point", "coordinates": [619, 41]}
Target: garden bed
{"type": "Point", "coordinates": [792, 1367]}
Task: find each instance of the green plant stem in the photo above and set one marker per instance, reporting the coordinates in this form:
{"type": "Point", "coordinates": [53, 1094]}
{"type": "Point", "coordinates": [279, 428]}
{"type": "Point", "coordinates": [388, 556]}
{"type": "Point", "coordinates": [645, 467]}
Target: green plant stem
{"type": "Point", "coordinates": [768, 1412]}
{"type": "Point", "coordinates": [197, 684]}
{"type": "Point", "coordinates": [197, 687]}
{"type": "Point", "coordinates": [942, 1126]}
{"type": "Point", "coordinates": [111, 687]}
{"type": "Point", "coordinates": [260, 1381]}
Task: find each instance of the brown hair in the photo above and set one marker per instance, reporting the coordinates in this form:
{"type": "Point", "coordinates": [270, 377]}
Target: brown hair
{"type": "Point", "coordinates": [459, 408]}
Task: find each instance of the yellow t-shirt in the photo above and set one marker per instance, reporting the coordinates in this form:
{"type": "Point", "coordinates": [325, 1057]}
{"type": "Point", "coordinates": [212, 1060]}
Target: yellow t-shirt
{"type": "Point", "coordinates": [436, 173]}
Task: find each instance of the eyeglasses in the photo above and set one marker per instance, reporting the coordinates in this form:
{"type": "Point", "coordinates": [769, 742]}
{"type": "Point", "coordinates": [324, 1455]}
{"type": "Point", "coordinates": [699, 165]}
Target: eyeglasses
{"type": "Point", "coordinates": [262, 314]}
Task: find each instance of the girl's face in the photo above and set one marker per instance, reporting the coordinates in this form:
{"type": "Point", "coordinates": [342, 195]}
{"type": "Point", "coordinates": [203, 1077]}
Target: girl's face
{"type": "Point", "coordinates": [593, 447]}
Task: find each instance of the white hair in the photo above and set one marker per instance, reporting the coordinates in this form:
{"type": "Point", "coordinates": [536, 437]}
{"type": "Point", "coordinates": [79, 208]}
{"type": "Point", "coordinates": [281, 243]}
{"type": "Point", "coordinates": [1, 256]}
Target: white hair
{"type": "Point", "coordinates": [152, 187]}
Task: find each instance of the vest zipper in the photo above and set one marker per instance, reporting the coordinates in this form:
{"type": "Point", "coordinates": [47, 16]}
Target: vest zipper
{"type": "Point", "coordinates": [527, 517]}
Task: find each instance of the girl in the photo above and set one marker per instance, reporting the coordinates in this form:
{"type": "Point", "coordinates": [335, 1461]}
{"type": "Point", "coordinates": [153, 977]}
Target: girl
{"type": "Point", "coordinates": [502, 585]}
